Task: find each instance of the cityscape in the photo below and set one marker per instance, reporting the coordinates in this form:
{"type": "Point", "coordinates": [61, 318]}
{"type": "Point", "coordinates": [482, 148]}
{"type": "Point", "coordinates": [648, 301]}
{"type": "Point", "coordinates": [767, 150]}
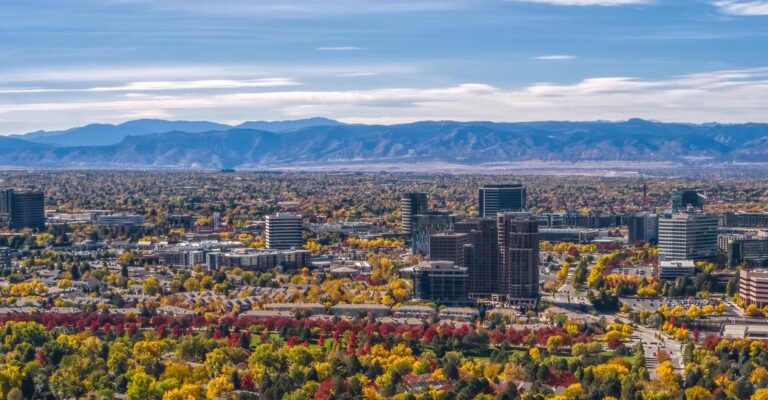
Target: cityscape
{"type": "Point", "coordinates": [305, 285]}
{"type": "Point", "coordinates": [384, 200]}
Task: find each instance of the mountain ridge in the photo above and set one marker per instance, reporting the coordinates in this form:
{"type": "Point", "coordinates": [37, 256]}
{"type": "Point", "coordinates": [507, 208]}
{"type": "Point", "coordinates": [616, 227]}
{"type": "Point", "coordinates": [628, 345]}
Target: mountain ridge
{"type": "Point", "coordinates": [468, 143]}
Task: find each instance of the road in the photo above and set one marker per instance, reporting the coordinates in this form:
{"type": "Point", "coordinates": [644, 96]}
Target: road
{"type": "Point", "coordinates": [575, 302]}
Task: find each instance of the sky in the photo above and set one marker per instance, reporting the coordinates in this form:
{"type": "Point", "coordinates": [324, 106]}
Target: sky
{"type": "Point", "coordinates": [69, 63]}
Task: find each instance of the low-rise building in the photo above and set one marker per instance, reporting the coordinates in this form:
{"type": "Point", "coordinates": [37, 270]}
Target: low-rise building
{"type": "Point", "coordinates": [753, 286]}
{"type": "Point", "coordinates": [360, 310]}
{"type": "Point", "coordinates": [441, 282]}
{"type": "Point", "coordinates": [671, 270]}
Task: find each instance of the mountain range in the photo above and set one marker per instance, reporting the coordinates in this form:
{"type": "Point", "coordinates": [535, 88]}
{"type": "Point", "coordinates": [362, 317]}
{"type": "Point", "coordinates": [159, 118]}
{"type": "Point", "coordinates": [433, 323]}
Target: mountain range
{"type": "Point", "coordinates": [161, 144]}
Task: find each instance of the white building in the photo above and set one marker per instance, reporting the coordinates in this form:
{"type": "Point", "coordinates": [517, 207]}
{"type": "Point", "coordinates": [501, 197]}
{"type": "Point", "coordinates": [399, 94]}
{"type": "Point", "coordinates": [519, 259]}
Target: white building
{"type": "Point", "coordinates": [671, 270]}
{"type": "Point", "coordinates": [687, 236]}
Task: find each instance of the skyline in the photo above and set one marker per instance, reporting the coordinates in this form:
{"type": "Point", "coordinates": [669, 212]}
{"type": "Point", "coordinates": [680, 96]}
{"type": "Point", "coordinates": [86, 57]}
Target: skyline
{"type": "Point", "coordinates": [365, 62]}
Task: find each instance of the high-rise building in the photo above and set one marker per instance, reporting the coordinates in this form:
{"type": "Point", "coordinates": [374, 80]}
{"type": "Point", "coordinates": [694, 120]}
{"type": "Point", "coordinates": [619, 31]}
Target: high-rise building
{"type": "Point", "coordinates": [687, 236]}
{"type": "Point", "coordinates": [448, 247]}
{"type": "Point", "coordinates": [428, 224]}
{"type": "Point", "coordinates": [23, 209]}
{"type": "Point", "coordinates": [481, 256]}
{"type": "Point", "coordinates": [442, 282]}
{"type": "Point", "coordinates": [500, 198]}
{"type": "Point", "coordinates": [684, 198]}
{"type": "Point", "coordinates": [284, 231]}
{"type": "Point", "coordinates": [518, 255]}
{"type": "Point", "coordinates": [412, 204]}
{"type": "Point", "coordinates": [643, 227]}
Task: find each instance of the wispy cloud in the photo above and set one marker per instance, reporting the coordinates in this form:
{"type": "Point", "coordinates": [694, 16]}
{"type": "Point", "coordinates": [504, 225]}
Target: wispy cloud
{"type": "Point", "coordinates": [725, 96]}
{"type": "Point", "coordinates": [358, 74]}
{"type": "Point", "coordinates": [605, 3]}
{"type": "Point", "coordinates": [555, 57]}
{"type": "Point", "coordinates": [340, 48]}
{"type": "Point", "coordinates": [167, 86]}
{"type": "Point", "coordinates": [743, 8]}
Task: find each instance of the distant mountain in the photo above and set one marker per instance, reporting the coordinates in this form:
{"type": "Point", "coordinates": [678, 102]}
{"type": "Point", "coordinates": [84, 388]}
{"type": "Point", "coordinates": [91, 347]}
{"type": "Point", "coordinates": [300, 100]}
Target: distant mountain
{"type": "Point", "coordinates": [105, 134]}
{"type": "Point", "coordinates": [282, 126]}
{"type": "Point", "coordinates": [468, 143]}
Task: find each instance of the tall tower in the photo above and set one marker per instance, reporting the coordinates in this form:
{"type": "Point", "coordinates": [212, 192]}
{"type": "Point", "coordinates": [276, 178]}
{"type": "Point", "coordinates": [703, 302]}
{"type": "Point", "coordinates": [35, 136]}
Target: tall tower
{"type": "Point", "coordinates": [518, 255]}
{"type": "Point", "coordinates": [481, 256]}
{"type": "Point", "coordinates": [501, 198]}
{"type": "Point", "coordinates": [284, 231]}
{"type": "Point", "coordinates": [688, 236]}
{"type": "Point", "coordinates": [412, 204]}
{"type": "Point", "coordinates": [23, 209]}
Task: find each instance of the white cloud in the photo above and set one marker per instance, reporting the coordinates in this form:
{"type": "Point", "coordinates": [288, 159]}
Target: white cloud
{"type": "Point", "coordinates": [555, 57]}
{"type": "Point", "coordinates": [340, 48]}
{"type": "Point", "coordinates": [588, 2]}
{"type": "Point", "coordinates": [743, 8]}
{"type": "Point", "coordinates": [725, 96]}
{"type": "Point", "coordinates": [167, 86]}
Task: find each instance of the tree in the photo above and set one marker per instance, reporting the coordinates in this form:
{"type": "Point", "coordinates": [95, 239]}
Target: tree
{"type": "Point", "coordinates": [151, 286]}
{"type": "Point", "coordinates": [141, 386]}
{"type": "Point", "coordinates": [697, 393]}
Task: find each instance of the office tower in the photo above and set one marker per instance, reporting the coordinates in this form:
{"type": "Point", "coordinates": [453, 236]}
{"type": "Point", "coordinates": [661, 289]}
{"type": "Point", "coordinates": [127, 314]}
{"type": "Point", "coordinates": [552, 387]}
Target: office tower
{"type": "Point", "coordinates": [448, 247]}
{"type": "Point", "coordinates": [426, 225]}
{"type": "Point", "coordinates": [500, 198]}
{"type": "Point", "coordinates": [481, 256]}
{"type": "Point", "coordinates": [753, 253]}
{"type": "Point", "coordinates": [412, 204]}
{"type": "Point", "coordinates": [685, 198]}
{"type": "Point", "coordinates": [643, 227]}
{"type": "Point", "coordinates": [23, 209]}
{"type": "Point", "coordinates": [518, 255]}
{"type": "Point", "coordinates": [442, 282]}
{"type": "Point", "coordinates": [284, 231]}
{"type": "Point", "coordinates": [687, 236]}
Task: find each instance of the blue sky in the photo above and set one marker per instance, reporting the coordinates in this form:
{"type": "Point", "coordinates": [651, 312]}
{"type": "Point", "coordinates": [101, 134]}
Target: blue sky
{"type": "Point", "coordinates": [68, 63]}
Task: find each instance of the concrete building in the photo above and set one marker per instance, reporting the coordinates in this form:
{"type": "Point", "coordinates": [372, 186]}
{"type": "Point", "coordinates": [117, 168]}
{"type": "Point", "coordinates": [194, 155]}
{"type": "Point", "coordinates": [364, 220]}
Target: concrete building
{"type": "Point", "coordinates": [481, 256]}
{"type": "Point", "coordinates": [119, 220]}
{"type": "Point", "coordinates": [574, 220]}
{"type": "Point", "coordinates": [688, 235]}
{"type": "Point", "coordinates": [643, 227]}
{"type": "Point", "coordinates": [412, 204]}
{"type": "Point", "coordinates": [518, 256]}
{"type": "Point", "coordinates": [426, 225]}
{"type": "Point", "coordinates": [22, 210]}
{"type": "Point", "coordinates": [742, 219]}
{"type": "Point", "coordinates": [498, 198]}
{"type": "Point", "coordinates": [448, 247]}
{"type": "Point", "coordinates": [574, 235]}
{"type": "Point", "coordinates": [753, 287]}
{"type": "Point", "coordinates": [441, 282]}
{"type": "Point", "coordinates": [671, 270]}
{"type": "Point", "coordinates": [284, 231]}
